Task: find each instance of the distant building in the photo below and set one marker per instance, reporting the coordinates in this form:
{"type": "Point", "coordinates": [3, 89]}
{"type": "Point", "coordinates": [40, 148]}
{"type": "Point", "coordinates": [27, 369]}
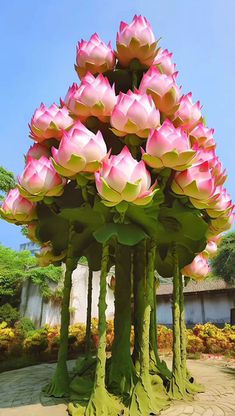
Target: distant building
{"type": "Point", "coordinates": [30, 246]}
{"type": "Point", "coordinates": [206, 301]}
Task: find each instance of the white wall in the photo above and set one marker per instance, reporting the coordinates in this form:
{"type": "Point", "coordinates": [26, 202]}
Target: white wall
{"type": "Point", "coordinates": [217, 308]}
{"type": "Point", "coordinates": [41, 313]}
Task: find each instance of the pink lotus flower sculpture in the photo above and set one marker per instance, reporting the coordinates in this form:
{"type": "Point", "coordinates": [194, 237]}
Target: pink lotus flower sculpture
{"type": "Point", "coordinates": [218, 171]}
{"type": "Point", "coordinates": [222, 223]}
{"type": "Point", "coordinates": [197, 183]}
{"type": "Point", "coordinates": [164, 62]}
{"type": "Point", "coordinates": [136, 41]}
{"type": "Point", "coordinates": [94, 97]}
{"type": "Point", "coordinates": [211, 249]}
{"type": "Point", "coordinates": [39, 179]}
{"type": "Point", "coordinates": [46, 255]}
{"type": "Point", "coordinates": [203, 137]}
{"type": "Point", "coordinates": [198, 269]}
{"type": "Point", "coordinates": [49, 123]}
{"type": "Point", "coordinates": [94, 56]}
{"type": "Point", "coordinates": [168, 147]}
{"type": "Point", "coordinates": [37, 150]}
{"type": "Point", "coordinates": [31, 232]}
{"type": "Point", "coordinates": [134, 113]}
{"type": "Point", "coordinates": [80, 150]}
{"type": "Point", "coordinates": [163, 90]}
{"type": "Point", "coordinates": [122, 178]}
{"type": "Point", "coordinates": [17, 209]}
{"type": "Point", "coordinates": [188, 114]}
{"type": "Point", "coordinates": [222, 205]}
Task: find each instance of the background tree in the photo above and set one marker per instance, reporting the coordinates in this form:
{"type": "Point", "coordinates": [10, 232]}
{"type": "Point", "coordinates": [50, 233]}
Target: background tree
{"type": "Point", "coordinates": [7, 181]}
{"type": "Point", "coordinates": [16, 267]}
{"type": "Point", "coordinates": [223, 265]}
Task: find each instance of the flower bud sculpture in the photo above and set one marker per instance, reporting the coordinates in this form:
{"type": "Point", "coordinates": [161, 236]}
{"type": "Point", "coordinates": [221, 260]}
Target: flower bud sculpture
{"type": "Point", "coordinates": [17, 209]}
{"type": "Point", "coordinates": [94, 97]}
{"type": "Point", "coordinates": [134, 113]}
{"type": "Point", "coordinates": [136, 41]}
{"type": "Point", "coordinates": [39, 179]}
{"type": "Point", "coordinates": [222, 204]}
{"type": "Point", "coordinates": [162, 88]}
{"type": "Point", "coordinates": [80, 150]}
{"type": "Point", "coordinates": [168, 147]}
{"type": "Point", "coordinates": [203, 137]}
{"type": "Point", "coordinates": [49, 123]}
{"type": "Point", "coordinates": [164, 63]}
{"type": "Point", "coordinates": [124, 173]}
{"type": "Point", "coordinates": [197, 183]}
{"type": "Point", "coordinates": [188, 114]}
{"type": "Point", "coordinates": [36, 151]}
{"type": "Point", "coordinates": [198, 269]}
{"type": "Point", "coordinates": [46, 256]}
{"type": "Point", "coordinates": [94, 56]}
{"type": "Point", "coordinates": [122, 178]}
{"type": "Point", "coordinates": [211, 248]}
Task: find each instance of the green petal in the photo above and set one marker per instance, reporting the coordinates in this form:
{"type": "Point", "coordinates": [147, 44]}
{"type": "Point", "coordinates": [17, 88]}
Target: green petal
{"type": "Point", "coordinates": [152, 161]}
{"type": "Point", "coordinates": [109, 194]}
{"type": "Point", "coordinates": [131, 191]}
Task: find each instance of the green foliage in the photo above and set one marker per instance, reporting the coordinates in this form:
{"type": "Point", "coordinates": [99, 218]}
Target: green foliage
{"type": "Point", "coordinates": [8, 314]}
{"type": "Point", "coordinates": [13, 271]}
{"type": "Point", "coordinates": [223, 265]}
{"type": "Point", "coordinates": [25, 325]}
{"type": "Point", "coordinates": [7, 181]}
{"type": "Point", "coordinates": [36, 341]}
{"type": "Point", "coordinates": [16, 267]}
{"type": "Point", "coordinates": [40, 276]}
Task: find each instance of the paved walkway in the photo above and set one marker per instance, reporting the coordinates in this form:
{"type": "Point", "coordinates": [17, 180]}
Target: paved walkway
{"type": "Point", "coordinates": [20, 392]}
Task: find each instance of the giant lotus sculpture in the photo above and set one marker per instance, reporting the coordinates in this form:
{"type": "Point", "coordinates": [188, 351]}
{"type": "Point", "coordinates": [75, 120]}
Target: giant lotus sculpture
{"type": "Point", "coordinates": [124, 172]}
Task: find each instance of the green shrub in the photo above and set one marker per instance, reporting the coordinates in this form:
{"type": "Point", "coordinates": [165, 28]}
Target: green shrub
{"type": "Point", "coordinates": [24, 325]}
{"type": "Point", "coordinates": [9, 314]}
{"type": "Point", "coordinates": [36, 341]}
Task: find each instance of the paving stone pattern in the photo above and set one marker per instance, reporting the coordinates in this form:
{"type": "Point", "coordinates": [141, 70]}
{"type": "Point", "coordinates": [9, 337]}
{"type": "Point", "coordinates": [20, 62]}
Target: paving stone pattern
{"type": "Point", "coordinates": [20, 392]}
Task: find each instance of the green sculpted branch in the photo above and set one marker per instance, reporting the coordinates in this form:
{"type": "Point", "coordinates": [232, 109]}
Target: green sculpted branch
{"type": "Point", "coordinates": [145, 399]}
{"type": "Point", "coordinates": [101, 402]}
{"type": "Point", "coordinates": [122, 375]}
{"type": "Point", "coordinates": [191, 386]}
{"type": "Point", "coordinates": [59, 386]}
{"type": "Point", "coordinates": [156, 365]}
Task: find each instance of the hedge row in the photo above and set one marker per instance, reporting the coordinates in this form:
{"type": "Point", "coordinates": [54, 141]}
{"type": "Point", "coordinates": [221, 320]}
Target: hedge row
{"type": "Point", "coordinates": [44, 342]}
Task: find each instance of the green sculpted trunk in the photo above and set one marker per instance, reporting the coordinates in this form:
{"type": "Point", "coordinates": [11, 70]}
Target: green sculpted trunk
{"type": "Point", "coordinates": [182, 329]}
{"type": "Point", "coordinates": [88, 318]}
{"type": "Point", "coordinates": [178, 382]}
{"type": "Point", "coordinates": [101, 403]}
{"type": "Point", "coordinates": [145, 399]}
{"type": "Point", "coordinates": [156, 365]}
{"type": "Point", "coordinates": [59, 386]}
{"type": "Point", "coordinates": [191, 386]}
{"type": "Point", "coordinates": [122, 372]}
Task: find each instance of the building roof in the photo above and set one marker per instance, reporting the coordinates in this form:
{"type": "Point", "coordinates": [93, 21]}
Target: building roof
{"type": "Point", "coordinates": [195, 287]}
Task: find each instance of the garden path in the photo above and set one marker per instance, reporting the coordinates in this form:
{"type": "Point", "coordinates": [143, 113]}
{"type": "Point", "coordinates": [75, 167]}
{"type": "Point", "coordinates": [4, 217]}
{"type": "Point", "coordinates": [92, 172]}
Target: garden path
{"type": "Point", "coordinates": [20, 392]}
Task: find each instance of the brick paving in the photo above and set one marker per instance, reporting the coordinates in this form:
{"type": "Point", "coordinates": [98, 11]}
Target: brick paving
{"type": "Point", "coordinates": [20, 392]}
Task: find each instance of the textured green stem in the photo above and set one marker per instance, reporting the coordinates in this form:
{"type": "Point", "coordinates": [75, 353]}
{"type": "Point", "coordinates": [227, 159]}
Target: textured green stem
{"type": "Point", "coordinates": [122, 371]}
{"type": "Point", "coordinates": [139, 271]}
{"type": "Point", "coordinates": [145, 399]}
{"type": "Point", "coordinates": [59, 386]}
{"type": "Point", "coordinates": [88, 318]}
{"type": "Point", "coordinates": [156, 365]}
{"type": "Point", "coordinates": [101, 403]}
{"type": "Point", "coordinates": [101, 353]}
{"type": "Point", "coordinates": [182, 329]}
{"type": "Point", "coordinates": [177, 384]}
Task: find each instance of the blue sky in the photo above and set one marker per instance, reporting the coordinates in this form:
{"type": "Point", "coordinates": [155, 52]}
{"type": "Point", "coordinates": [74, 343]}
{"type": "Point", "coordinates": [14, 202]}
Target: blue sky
{"type": "Point", "coordinates": [38, 41]}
